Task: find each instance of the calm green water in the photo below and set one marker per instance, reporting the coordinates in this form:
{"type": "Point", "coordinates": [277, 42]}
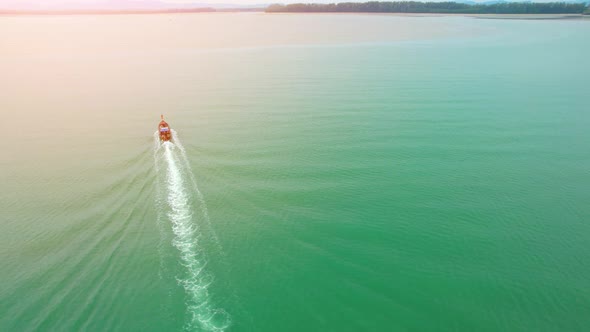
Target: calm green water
{"type": "Point", "coordinates": [330, 173]}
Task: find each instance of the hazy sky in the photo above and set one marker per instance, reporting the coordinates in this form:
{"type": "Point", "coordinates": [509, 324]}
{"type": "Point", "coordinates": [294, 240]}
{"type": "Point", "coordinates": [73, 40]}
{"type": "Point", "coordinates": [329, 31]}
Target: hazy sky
{"type": "Point", "coordinates": [153, 4]}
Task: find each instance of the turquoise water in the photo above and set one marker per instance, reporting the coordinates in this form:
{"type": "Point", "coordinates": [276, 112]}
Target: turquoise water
{"type": "Point", "coordinates": [329, 173]}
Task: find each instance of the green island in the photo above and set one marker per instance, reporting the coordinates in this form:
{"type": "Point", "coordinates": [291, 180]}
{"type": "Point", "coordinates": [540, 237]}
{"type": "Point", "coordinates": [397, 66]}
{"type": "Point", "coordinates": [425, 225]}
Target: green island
{"type": "Point", "coordinates": [433, 7]}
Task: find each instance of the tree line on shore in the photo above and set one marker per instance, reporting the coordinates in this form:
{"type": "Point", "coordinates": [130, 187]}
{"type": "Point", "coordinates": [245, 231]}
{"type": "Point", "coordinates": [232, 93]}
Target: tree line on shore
{"type": "Point", "coordinates": [434, 7]}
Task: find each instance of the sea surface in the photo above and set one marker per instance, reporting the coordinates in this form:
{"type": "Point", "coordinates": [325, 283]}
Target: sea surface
{"type": "Point", "coordinates": [329, 172]}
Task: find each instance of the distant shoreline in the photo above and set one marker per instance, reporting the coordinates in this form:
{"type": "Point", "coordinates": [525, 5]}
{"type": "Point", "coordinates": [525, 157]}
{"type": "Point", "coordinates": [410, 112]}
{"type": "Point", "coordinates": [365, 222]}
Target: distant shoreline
{"type": "Point", "coordinates": [499, 16]}
{"type": "Point", "coordinates": [449, 7]}
{"type": "Point", "coordinates": [479, 16]}
{"type": "Point", "coordinates": [524, 9]}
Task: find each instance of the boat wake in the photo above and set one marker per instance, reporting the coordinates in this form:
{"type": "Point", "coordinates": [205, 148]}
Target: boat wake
{"type": "Point", "coordinates": [181, 205]}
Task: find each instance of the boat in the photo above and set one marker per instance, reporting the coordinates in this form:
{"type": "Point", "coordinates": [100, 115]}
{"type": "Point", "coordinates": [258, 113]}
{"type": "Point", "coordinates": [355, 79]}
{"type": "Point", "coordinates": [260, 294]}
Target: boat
{"type": "Point", "coordinates": [164, 130]}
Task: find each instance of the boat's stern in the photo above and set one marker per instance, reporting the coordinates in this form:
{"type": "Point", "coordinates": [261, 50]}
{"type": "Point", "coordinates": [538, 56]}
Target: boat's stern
{"type": "Point", "coordinates": [164, 130]}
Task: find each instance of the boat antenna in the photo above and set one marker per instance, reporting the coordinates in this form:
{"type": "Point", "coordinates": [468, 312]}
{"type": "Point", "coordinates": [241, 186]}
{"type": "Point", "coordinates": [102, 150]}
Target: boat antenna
{"type": "Point", "coordinates": [162, 116]}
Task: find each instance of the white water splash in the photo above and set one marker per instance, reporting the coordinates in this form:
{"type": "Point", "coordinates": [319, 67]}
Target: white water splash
{"type": "Point", "coordinates": [200, 197]}
{"type": "Point", "coordinates": [180, 212]}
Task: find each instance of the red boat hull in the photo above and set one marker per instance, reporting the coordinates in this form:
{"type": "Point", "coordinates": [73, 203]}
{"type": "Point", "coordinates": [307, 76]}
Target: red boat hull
{"type": "Point", "coordinates": [164, 131]}
{"type": "Point", "coordinates": [165, 136]}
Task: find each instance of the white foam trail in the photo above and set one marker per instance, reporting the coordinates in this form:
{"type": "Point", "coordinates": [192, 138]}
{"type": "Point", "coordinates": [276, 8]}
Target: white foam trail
{"type": "Point", "coordinates": [159, 203]}
{"type": "Point", "coordinates": [180, 213]}
{"type": "Point", "coordinates": [200, 197]}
